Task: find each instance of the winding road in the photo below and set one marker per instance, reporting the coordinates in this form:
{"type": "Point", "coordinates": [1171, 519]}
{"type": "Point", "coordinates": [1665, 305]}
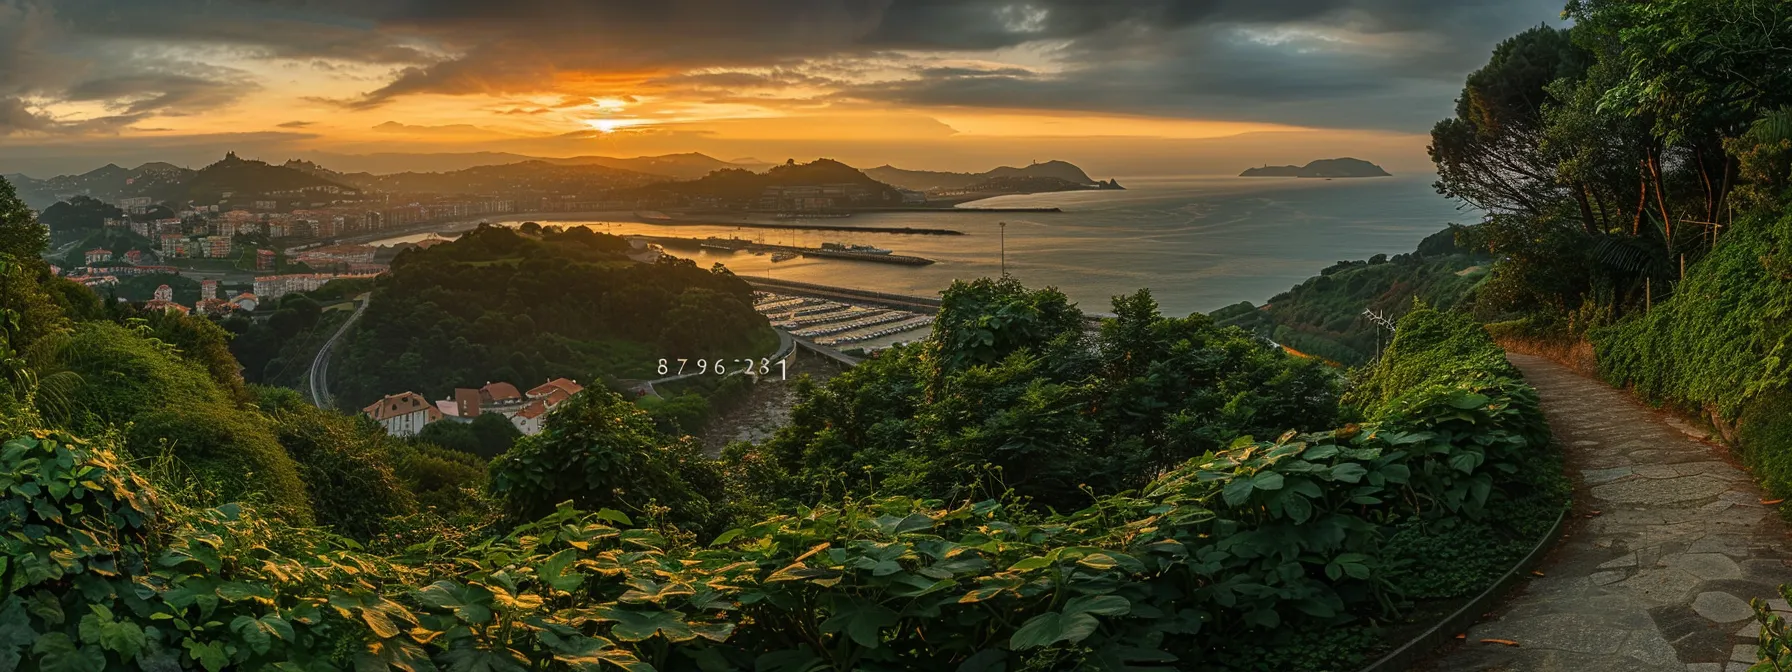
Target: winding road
{"type": "Point", "coordinates": [320, 365]}
{"type": "Point", "coordinates": [1668, 543]}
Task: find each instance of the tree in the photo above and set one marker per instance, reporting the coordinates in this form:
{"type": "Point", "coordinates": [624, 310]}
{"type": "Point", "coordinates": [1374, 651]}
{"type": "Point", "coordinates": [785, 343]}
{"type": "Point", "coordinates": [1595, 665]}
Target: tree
{"type": "Point", "coordinates": [599, 451]}
{"type": "Point", "coordinates": [1701, 71]}
{"type": "Point", "coordinates": [1489, 154]}
{"type": "Point", "coordinates": [22, 237]}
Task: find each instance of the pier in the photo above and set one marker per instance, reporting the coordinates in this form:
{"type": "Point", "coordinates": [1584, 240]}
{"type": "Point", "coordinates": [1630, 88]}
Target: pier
{"type": "Point", "coordinates": [738, 244]}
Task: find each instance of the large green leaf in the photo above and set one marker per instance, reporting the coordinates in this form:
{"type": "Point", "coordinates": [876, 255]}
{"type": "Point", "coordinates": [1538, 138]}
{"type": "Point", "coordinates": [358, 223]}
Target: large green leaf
{"type": "Point", "coordinates": [1053, 627]}
{"type": "Point", "coordinates": [862, 622]}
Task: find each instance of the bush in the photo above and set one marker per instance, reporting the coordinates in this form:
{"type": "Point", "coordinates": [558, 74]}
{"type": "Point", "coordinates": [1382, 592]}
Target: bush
{"type": "Point", "coordinates": [346, 470]}
{"type": "Point", "coordinates": [233, 454]}
{"type": "Point", "coordinates": [126, 373]}
{"type": "Point", "coordinates": [1722, 338]}
{"type": "Point", "coordinates": [599, 451]}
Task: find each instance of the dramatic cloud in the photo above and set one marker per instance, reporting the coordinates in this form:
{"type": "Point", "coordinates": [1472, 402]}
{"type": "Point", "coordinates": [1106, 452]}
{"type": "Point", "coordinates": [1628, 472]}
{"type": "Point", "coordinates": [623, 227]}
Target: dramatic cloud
{"type": "Point", "coordinates": [476, 70]}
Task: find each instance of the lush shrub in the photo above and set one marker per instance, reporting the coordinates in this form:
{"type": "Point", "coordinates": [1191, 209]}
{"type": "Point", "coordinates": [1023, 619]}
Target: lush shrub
{"type": "Point", "coordinates": [1723, 337]}
{"type": "Point", "coordinates": [346, 470]}
{"type": "Point", "coordinates": [448, 482]}
{"type": "Point", "coordinates": [1431, 348]}
{"type": "Point", "coordinates": [488, 436]}
{"type": "Point", "coordinates": [125, 373]}
{"type": "Point", "coordinates": [599, 451]}
{"type": "Point", "coordinates": [233, 454]}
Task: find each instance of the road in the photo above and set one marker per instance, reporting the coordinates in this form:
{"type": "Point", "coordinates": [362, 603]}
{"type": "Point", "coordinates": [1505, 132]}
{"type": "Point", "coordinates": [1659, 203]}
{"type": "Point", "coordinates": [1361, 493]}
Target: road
{"type": "Point", "coordinates": [320, 365]}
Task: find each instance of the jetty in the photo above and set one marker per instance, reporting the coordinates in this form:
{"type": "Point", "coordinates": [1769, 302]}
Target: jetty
{"type": "Point", "coordinates": [741, 244]}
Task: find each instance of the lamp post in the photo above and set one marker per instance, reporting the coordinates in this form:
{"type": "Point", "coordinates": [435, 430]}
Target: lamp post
{"type": "Point", "coordinates": [1003, 226]}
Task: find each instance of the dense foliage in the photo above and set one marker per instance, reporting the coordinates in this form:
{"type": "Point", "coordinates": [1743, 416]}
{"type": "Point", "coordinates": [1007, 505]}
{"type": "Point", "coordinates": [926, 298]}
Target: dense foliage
{"type": "Point", "coordinates": [1012, 392]}
{"type": "Point", "coordinates": [1203, 567]}
{"type": "Point", "coordinates": [499, 305]}
{"type": "Point", "coordinates": [1323, 316]}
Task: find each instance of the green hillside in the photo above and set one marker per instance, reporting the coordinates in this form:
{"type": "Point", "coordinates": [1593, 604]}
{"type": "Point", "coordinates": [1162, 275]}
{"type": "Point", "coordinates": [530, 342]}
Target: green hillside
{"type": "Point", "coordinates": [1324, 317]}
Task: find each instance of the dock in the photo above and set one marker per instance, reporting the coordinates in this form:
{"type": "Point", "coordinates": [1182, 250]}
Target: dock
{"type": "Point", "coordinates": [738, 244]}
{"type": "Point", "coordinates": [697, 220]}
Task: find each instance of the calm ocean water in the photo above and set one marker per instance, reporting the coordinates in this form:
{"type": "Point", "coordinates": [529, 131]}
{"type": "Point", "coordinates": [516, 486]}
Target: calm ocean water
{"type": "Point", "coordinates": [1199, 243]}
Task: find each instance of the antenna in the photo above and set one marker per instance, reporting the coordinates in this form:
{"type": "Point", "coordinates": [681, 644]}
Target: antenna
{"type": "Point", "coordinates": [1381, 321]}
{"type": "Point", "coordinates": [1004, 239]}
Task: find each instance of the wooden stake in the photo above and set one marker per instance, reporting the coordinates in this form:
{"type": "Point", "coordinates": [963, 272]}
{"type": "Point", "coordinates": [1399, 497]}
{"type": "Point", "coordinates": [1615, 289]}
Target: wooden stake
{"type": "Point", "coordinates": [1682, 266]}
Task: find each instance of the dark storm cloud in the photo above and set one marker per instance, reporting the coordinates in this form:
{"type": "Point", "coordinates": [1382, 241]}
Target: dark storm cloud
{"type": "Point", "coordinates": [46, 57]}
{"type": "Point", "coordinates": [1189, 58]}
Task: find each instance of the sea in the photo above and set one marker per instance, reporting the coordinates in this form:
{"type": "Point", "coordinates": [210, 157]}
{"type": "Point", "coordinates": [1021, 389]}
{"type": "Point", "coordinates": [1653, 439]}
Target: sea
{"type": "Point", "coordinates": [1198, 243]}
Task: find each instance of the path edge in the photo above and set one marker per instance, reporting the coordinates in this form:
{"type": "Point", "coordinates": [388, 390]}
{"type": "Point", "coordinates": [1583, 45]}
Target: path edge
{"type": "Point", "coordinates": [1459, 621]}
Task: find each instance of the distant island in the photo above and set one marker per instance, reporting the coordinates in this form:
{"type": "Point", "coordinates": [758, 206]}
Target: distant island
{"type": "Point", "coordinates": [1034, 178]}
{"type": "Point", "coordinates": [1327, 168]}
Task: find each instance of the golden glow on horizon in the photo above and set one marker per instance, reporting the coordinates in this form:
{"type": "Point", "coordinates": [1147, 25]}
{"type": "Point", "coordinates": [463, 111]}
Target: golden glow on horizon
{"type": "Point", "coordinates": [610, 125]}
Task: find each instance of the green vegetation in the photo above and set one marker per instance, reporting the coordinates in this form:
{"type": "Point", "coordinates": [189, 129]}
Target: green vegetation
{"type": "Point", "coordinates": [487, 436]}
{"type": "Point", "coordinates": [1323, 316]}
{"type": "Point", "coordinates": [77, 218]}
{"type": "Point", "coordinates": [739, 188]}
{"type": "Point", "coordinates": [1181, 571]}
{"type": "Point", "coordinates": [499, 305]}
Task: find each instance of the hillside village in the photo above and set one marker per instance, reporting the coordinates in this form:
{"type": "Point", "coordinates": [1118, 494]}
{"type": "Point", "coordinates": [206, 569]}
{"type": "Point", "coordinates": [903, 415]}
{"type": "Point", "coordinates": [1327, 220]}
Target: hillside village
{"type": "Point", "coordinates": [407, 413]}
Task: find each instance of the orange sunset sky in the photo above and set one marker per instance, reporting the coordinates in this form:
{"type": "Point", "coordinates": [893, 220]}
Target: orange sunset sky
{"type": "Point", "coordinates": [1122, 88]}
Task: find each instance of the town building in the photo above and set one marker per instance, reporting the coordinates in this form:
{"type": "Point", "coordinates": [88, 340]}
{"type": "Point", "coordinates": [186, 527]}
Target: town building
{"type": "Point", "coordinates": [165, 306]}
{"type": "Point", "coordinates": [276, 286]}
{"type": "Point", "coordinates": [164, 293]}
{"type": "Point", "coordinates": [246, 301]}
{"type": "Point", "coordinates": [264, 260]}
{"type": "Point", "coordinates": [335, 255]}
{"type": "Point", "coordinates": [218, 247]}
{"type": "Point", "coordinates": [208, 289]}
{"type": "Point", "coordinates": [403, 414]}
{"type": "Point", "coordinates": [529, 419]}
{"type": "Point", "coordinates": [98, 255]}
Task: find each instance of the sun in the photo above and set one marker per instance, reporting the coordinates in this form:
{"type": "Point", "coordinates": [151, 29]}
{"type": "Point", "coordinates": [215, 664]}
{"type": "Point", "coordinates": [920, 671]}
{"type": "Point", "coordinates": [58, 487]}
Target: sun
{"type": "Point", "coordinates": [611, 125]}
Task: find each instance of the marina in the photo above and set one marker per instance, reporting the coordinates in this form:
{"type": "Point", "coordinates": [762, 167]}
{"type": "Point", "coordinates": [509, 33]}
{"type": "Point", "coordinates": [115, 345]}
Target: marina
{"type": "Point", "coordinates": [834, 323]}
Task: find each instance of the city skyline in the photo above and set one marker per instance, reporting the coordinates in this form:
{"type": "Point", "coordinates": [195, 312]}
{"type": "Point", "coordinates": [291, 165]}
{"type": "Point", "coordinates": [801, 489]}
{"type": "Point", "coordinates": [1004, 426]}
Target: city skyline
{"type": "Point", "coordinates": [1122, 88]}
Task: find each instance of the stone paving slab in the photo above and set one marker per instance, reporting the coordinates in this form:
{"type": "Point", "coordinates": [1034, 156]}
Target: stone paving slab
{"type": "Point", "coordinates": [1669, 542]}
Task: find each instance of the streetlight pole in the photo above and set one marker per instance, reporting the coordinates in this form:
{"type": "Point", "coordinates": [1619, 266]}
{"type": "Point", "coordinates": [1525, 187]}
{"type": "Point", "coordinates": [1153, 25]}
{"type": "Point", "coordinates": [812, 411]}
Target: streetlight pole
{"type": "Point", "coordinates": [1004, 237]}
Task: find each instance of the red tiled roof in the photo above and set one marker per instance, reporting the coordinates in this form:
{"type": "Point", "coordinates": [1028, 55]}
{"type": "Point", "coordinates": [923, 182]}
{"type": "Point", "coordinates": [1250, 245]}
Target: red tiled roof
{"type": "Point", "coordinates": [535, 409]}
{"type": "Point", "coordinates": [562, 384]}
{"type": "Point", "coordinates": [403, 403]}
{"type": "Point", "coordinates": [497, 392]}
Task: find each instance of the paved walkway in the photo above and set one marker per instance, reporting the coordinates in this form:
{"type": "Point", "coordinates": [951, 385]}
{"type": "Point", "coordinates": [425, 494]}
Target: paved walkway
{"type": "Point", "coordinates": [1668, 544]}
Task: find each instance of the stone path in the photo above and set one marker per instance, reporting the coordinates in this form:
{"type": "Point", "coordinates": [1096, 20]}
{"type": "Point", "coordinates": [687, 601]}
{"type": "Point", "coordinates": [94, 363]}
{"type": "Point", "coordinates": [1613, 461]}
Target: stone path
{"type": "Point", "coordinates": [1668, 543]}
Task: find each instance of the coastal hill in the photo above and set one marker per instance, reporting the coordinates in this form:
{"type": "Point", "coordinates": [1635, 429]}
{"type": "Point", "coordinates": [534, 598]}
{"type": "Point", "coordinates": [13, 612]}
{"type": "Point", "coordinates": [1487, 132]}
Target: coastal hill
{"type": "Point", "coordinates": [234, 181]}
{"type": "Point", "coordinates": [1048, 176]}
{"type": "Point", "coordinates": [1345, 167]}
{"type": "Point", "coordinates": [158, 181]}
{"type": "Point", "coordinates": [738, 188]}
{"type": "Point", "coordinates": [685, 166]}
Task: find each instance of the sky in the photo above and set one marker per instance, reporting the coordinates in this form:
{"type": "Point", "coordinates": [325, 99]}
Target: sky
{"type": "Point", "coordinates": [1122, 88]}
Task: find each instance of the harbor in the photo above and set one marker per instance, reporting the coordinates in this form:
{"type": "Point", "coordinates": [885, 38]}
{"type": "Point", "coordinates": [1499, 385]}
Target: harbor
{"type": "Point", "coordinates": [785, 252]}
{"type": "Point", "coordinates": [790, 222]}
{"type": "Point", "coordinates": [831, 323]}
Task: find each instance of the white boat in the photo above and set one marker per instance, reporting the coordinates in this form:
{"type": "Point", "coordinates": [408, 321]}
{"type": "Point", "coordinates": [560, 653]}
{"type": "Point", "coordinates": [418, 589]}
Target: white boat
{"type": "Point", "coordinates": [784, 256]}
